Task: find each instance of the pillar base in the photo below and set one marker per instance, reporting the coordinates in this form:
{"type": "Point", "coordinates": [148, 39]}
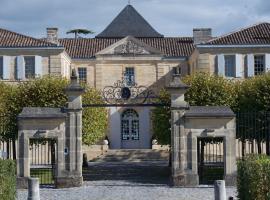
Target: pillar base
{"type": "Point", "coordinates": [68, 182]}
{"type": "Point", "coordinates": [230, 179]}
{"type": "Point", "coordinates": [185, 180]}
{"type": "Point", "coordinates": [22, 182]}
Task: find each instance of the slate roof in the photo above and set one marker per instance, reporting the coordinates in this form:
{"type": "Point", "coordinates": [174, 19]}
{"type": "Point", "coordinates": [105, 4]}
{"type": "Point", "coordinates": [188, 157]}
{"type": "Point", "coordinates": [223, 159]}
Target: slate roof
{"type": "Point", "coordinates": [257, 34]}
{"type": "Point", "coordinates": [209, 111]}
{"type": "Point", "coordinates": [129, 22]}
{"type": "Point", "coordinates": [88, 47]}
{"type": "Point", "coordinates": [12, 39]}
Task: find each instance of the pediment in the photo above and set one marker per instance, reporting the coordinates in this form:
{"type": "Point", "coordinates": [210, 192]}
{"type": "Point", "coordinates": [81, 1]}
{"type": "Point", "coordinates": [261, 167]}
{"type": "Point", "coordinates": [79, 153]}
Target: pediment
{"type": "Point", "coordinates": [129, 46]}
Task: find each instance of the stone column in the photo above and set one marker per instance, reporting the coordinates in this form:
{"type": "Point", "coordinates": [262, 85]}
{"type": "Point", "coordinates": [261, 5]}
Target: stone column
{"type": "Point", "coordinates": [23, 163]}
{"type": "Point", "coordinates": [177, 91]}
{"type": "Point", "coordinates": [230, 155]}
{"type": "Point", "coordinates": [72, 174]}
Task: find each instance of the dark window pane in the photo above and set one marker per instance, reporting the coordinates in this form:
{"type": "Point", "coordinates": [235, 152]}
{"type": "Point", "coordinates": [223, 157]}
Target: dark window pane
{"type": "Point", "coordinates": [129, 76]}
{"type": "Point", "coordinates": [29, 66]}
{"type": "Point", "coordinates": [259, 64]}
{"type": "Point", "coordinates": [82, 74]}
{"type": "Point", "coordinates": [229, 65]}
{"type": "Point", "coordinates": [1, 67]}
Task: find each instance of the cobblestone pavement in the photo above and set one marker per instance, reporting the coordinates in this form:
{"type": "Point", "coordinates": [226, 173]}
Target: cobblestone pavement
{"type": "Point", "coordinates": [127, 182]}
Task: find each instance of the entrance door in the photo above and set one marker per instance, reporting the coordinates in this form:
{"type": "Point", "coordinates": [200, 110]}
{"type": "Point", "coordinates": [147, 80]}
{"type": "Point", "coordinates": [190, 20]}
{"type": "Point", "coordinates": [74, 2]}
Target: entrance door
{"type": "Point", "coordinates": [130, 129]}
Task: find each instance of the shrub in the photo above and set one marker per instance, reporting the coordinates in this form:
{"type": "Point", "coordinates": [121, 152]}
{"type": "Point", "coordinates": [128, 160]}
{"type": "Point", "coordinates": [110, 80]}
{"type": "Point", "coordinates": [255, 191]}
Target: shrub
{"type": "Point", "coordinates": [7, 180]}
{"type": "Point", "coordinates": [253, 178]}
{"type": "Point", "coordinates": [205, 90]}
{"type": "Point", "coordinates": [210, 90]}
{"type": "Point", "coordinates": [160, 120]}
{"type": "Point", "coordinates": [49, 92]}
{"type": "Point", "coordinates": [254, 94]}
{"type": "Point", "coordinates": [94, 119]}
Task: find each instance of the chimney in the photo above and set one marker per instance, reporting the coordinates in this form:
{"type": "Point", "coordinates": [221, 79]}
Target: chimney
{"type": "Point", "coordinates": [52, 35]}
{"type": "Point", "coordinates": [201, 35]}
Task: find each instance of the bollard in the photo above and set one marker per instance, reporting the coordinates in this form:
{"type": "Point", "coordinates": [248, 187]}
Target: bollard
{"type": "Point", "coordinates": [33, 189]}
{"type": "Point", "coordinates": [85, 161]}
{"type": "Point", "coordinates": [220, 191]}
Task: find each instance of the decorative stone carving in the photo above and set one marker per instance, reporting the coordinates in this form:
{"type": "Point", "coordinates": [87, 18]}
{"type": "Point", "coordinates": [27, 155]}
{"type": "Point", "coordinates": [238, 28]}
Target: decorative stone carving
{"type": "Point", "coordinates": [129, 47]}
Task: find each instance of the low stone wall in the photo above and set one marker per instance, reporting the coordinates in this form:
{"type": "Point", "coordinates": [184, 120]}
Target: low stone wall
{"type": "Point", "coordinates": [161, 147]}
{"type": "Point", "coordinates": [93, 151]}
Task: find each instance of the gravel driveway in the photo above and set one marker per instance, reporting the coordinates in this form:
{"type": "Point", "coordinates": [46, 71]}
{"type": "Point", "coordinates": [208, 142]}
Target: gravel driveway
{"type": "Point", "coordinates": [127, 181]}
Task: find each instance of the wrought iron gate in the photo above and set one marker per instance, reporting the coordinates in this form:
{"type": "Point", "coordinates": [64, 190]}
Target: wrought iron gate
{"type": "Point", "coordinates": [210, 159]}
{"type": "Point", "coordinates": [43, 159]}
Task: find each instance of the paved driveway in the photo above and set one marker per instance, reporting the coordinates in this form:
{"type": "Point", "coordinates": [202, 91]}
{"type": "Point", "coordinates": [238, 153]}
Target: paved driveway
{"type": "Point", "coordinates": [127, 181]}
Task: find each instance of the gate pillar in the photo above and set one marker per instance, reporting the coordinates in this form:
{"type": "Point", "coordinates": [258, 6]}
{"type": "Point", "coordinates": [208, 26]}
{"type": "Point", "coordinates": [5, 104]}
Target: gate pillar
{"type": "Point", "coordinates": [188, 123]}
{"type": "Point", "coordinates": [71, 176]}
{"type": "Point", "coordinates": [177, 90]}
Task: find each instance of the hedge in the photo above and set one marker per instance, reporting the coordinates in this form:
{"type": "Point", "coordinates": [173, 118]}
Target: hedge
{"type": "Point", "coordinates": [7, 179]}
{"type": "Point", "coordinates": [249, 95]}
{"type": "Point", "coordinates": [253, 178]}
{"type": "Point", "coordinates": [49, 92]}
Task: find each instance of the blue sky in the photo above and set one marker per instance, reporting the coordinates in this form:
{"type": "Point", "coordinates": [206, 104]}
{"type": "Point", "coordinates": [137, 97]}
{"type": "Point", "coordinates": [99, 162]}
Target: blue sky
{"type": "Point", "coordinates": [169, 17]}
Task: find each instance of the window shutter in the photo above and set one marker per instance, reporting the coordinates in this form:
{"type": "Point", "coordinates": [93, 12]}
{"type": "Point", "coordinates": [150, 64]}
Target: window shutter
{"type": "Point", "coordinates": [38, 66]}
{"type": "Point", "coordinates": [221, 65]}
{"type": "Point", "coordinates": [20, 68]}
{"type": "Point", "coordinates": [250, 65]}
{"type": "Point", "coordinates": [239, 66]}
{"type": "Point", "coordinates": [6, 67]}
{"type": "Point", "coordinates": [267, 62]}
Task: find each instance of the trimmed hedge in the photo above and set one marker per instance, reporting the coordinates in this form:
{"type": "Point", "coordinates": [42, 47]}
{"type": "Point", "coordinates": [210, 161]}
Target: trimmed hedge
{"type": "Point", "coordinates": [7, 179]}
{"type": "Point", "coordinates": [253, 178]}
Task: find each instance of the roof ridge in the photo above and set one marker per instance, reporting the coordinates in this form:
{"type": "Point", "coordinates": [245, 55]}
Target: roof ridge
{"type": "Point", "coordinates": [235, 31]}
{"type": "Point", "coordinates": [26, 36]}
{"type": "Point", "coordinates": [101, 38]}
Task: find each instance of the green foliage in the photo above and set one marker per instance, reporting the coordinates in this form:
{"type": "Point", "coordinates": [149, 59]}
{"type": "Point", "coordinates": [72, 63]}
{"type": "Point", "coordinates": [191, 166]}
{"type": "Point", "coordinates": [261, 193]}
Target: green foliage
{"type": "Point", "coordinates": [160, 119]}
{"type": "Point", "coordinates": [254, 94]}
{"type": "Point", "coordinates": [94, 119]}
{"type": "Point", "coordinates": [49, 92]}
{"type": "Point", "coordinates": [7, 180]}
{"type": "Point", "coordinates": [253, 177]}
{"type": "Point", "coordinates": [210, 90]}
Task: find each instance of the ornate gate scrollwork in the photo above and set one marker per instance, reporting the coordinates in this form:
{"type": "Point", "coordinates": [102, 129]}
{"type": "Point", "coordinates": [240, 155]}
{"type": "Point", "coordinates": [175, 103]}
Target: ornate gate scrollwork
{"type": "Point", "coordinates": [122, 93]}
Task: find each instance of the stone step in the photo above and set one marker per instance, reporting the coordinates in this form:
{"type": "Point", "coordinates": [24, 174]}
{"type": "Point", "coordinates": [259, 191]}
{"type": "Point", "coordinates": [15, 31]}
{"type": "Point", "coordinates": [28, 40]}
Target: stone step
{"type": "Point", "coordinates": [137, 155]}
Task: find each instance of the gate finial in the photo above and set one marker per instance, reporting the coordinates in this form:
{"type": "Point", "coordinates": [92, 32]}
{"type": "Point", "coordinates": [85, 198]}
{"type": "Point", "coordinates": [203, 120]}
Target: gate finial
{"type": "Point", "coordinates": [177, 89]}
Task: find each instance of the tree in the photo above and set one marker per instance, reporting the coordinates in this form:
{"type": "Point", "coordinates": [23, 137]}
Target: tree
{"type": "Point", "coordinates": [80, 31]}
{"type": "Point", "coordinates": [205, 90]}
{"type": "Point", "coordinates": [49, 92]}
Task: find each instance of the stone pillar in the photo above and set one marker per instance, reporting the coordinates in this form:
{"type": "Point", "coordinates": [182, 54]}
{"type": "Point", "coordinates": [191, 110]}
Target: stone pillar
{"type": "Point", "coordinates": [72, 174]}
{"type": "Point", "coordinates": [23, 163]}
{"type": "Point", "coordinates": [230, 156]}
{"type": "Point", "coordinates": [177, 91]}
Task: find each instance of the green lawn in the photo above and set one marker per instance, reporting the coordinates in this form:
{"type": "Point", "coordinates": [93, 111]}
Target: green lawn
{"type": "Point", "coordinates": [44, 175]}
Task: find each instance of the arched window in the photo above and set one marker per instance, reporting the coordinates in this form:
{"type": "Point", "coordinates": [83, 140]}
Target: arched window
{"type": "Point", "coordinates": [130, 125]}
